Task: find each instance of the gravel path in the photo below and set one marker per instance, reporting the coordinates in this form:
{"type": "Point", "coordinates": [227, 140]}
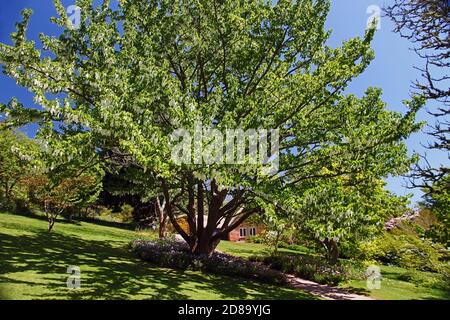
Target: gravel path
{"type": "Point", "coordinates": [321, 290]}
{"type": "Point", "coordinates": [324, 291]}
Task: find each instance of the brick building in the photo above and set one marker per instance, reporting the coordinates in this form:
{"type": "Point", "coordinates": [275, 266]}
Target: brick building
{"type": "Point", "coordinates": [241, 233]}
{"type": "Point", "coordinates": [245, 230]}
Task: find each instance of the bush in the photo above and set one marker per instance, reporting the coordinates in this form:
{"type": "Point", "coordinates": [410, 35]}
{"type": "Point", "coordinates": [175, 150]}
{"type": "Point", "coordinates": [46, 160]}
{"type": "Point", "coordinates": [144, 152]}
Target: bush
{"type": "Point", "coordinates": [125, 214]}
{"type": "Point", "coordinates": [430, 280]}
{"type": "Point", "coordinates": [406, 250]}
{"type": "Point", "coordinates": [176, 255]}
{"type": "Point", "coordinates": [255, 239]}
{"type": "Point", "coordinates": [299, 248]}
{"type": "Point", "coordinates": [308, 267]}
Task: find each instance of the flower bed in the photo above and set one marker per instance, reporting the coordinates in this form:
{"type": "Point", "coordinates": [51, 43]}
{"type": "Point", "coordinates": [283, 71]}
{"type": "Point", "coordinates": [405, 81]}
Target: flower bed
{"type": "Point", "coordinates": [176, 255]}
{"type": "Point", "coordinates": [307, 267]}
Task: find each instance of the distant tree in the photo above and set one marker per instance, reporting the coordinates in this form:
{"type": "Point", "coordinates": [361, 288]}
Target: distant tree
{"type": "Point", "coordinates": [17, 160]}
{"type": "Point", "coordinates": [130, 77]}
{"type": "Point", "coordinates": [67, 178]}
{"type": "Point", "coordinates": [438, 202]}
{"type": "Point", "coordinates": [58, 197]}
{"type": "Point", "coordinates": [344, 211]}
{"type": "Point", "coordinates": [127, 182]}
{"type": "Point", "coordinates": [277, 227]}
{"type": "Point", "coordinates": [119, 189]}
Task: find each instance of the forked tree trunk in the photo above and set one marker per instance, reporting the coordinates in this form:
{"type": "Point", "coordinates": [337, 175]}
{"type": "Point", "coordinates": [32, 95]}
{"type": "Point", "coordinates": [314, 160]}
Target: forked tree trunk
{"type": "Point", "coordinates": [162, 217]}
{"type": "Point", "coordinates": [203, 237]}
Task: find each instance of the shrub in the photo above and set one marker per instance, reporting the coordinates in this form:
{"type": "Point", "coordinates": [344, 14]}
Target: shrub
{"type": "Point", "coordinates": [126, 214]}
{"type": "Point", "coordinates": [405, 249]}
{"type": "Point", "coordinates": [408, 251]}
{"type": "Point", "coordinates": [174, 254]}
{"type": "Point", "coordinates": [309, 267]}
{"type": "Point", "coordinates": [299, 248]}
{"type": "Point", "coordinates": [105, 212]}
{"type": "Point", "coordinates": [255, 239]}
{"type": "Point", "coordinates": [430, 280]}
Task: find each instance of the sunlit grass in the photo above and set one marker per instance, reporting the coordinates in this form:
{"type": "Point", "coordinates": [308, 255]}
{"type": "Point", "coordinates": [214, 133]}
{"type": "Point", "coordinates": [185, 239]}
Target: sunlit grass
{"type": "Point", "coordinates": [392, 285]}
{"type": "Point", "coordinates": [33, 265]}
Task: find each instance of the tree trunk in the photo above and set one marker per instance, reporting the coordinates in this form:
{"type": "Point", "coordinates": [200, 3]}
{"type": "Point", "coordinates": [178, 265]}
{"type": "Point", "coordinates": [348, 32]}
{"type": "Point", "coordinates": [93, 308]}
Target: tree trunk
{"type": "Point", "coordinates": [162, 217]}
{"type": "Point", "coordinates": [51, 223]}
{"type": "Point", "coordinates": [163, 228]}
{"type": "Point", "coordinates": [70, 215]}
{"type": "Point", "coordinates": [332, 250]}
{"type": "Point", "coordinates": [206, 245]}
{"type": "Point", "coordinates": [204, 236]}
{"type": "Point", "coordinates": [277, 241]}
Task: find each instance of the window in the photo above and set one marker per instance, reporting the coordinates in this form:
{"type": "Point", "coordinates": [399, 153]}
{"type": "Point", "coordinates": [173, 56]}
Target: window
{"type": "Point", "coordinates": [242, 232]}
{"type": "Point", "coordinates": [253, 231]}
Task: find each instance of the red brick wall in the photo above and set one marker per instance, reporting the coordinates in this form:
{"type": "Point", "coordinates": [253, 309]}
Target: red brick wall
{"type": "Point", "coordinates": [234, 235]}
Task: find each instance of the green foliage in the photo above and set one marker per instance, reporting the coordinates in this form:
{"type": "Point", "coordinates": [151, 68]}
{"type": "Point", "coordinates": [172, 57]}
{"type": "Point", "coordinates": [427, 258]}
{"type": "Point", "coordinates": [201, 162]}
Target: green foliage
{"type": "Point", "coordinates": [105, 212]}
{"type": "Point", "coordinates": [17, 161]}
{"type": "Point", "coordinates": [438, 201]}
{"type": "Point", "coordinates": [404, 248]}
{"type": "Point", "coordinates": [341, 213]}
{"type": "Point", "coordinates": [126, 213]}
{"type": "Point", "coordinates": [430, 280]}
{"type": "Point", "coordinates": [255, 239]}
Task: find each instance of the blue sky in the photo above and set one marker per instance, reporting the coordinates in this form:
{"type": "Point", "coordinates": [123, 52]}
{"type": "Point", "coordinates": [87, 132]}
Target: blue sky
{"type": "Point", "coordinates": [392, 70]}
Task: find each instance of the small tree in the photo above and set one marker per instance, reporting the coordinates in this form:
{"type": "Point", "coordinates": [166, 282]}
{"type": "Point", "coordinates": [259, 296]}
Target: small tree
{"type": "Point", "coordinates": [340, 211]}
{"type": "Point", "coordinates": [64, 196]}
{"type": "Point", "coordinates": [17, 160]}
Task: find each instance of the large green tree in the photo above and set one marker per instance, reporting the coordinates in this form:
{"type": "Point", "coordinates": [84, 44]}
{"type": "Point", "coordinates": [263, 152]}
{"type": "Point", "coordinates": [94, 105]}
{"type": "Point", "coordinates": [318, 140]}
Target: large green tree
{"type": "Point", "coordinates": [126, 79]}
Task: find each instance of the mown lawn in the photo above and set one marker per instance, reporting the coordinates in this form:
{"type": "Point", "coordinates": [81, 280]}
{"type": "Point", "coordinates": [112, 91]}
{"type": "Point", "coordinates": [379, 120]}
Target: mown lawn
{"type": "Point", "coordinates": [393, 287]}
{"type": "Point", "coordinates": [245, 250]}
{"type": "Point", "coordinates": [33, 265]}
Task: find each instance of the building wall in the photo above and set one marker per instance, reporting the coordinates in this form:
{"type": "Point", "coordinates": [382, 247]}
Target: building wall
{"type": "Point", "coordinates": [235, 234]}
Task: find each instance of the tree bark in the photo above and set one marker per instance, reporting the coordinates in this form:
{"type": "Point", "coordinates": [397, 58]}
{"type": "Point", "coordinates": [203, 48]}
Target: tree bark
{"type": "Point", "coordinates": [206, 245]}
{"type": "Point", "coordinates": [332, 250]}
{"type": "Point", "coordinates": [162, 217]}
{"type": "Point", "coordinates": [204, 236]}
{"type": "Point", "coordinates": [51, 223]}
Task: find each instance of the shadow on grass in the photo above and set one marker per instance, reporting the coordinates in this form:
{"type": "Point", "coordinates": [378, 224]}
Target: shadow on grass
{"type": "Point", "coordinates": [78, 220]}
{"type": "Point", "coordinates": [106, 223]}
{"type": "Point", "coordinates": [108, 272]}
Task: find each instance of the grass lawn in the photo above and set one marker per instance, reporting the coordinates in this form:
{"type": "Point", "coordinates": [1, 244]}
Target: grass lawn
{"type": "Point", "coordinates": [392, 287]}
{"type": "Point", "coordinates": [33, 265]}
{"type": "Point", "coordinates": [245, 250]}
